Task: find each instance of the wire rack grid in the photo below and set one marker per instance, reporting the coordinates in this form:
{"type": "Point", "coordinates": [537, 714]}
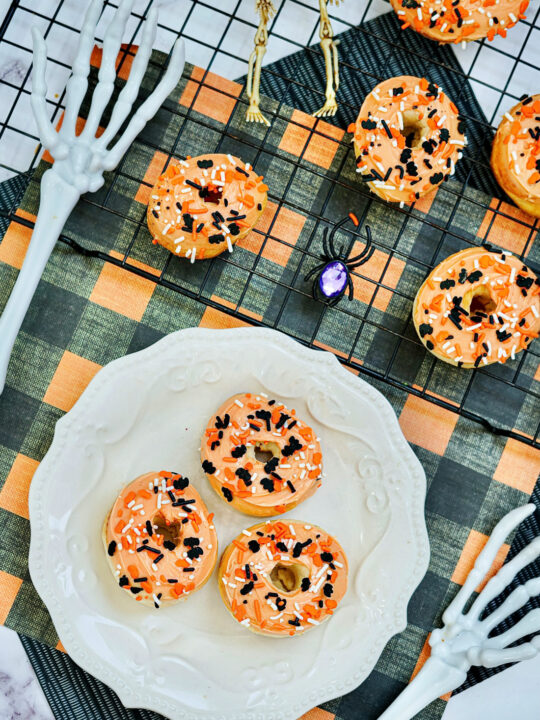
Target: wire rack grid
{"type": "Point", "coordinates": [360, 320]}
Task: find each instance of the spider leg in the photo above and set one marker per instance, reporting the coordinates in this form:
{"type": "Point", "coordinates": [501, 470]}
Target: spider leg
{"type": "Point", "coordinates": [325, 243]}
{"type": "Point", "coordinates": [313, 289]}
{"type": "Point", "coordinates": [314, 270]}
{"type": "Point", "coordinates": [334, 301]}
{"type": "Point", "coordinates": [335, 254]}
{"type": "Point", "coordinates": [363, 260]}
{"type": "Point", "coordinates": [366, 251]}
{"type": "Point", "coordinates": [350, 286]}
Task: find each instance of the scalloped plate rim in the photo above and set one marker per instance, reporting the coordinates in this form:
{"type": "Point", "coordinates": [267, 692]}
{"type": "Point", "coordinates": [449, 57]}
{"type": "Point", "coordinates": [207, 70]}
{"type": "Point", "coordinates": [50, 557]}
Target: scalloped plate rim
{"type": "Point", "coordinates": [40, 581]}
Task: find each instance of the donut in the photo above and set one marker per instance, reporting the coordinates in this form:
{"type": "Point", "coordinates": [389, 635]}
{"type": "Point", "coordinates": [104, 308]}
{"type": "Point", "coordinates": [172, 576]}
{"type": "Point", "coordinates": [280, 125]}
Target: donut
{"type": "Point", "coordinates": [408, 138]}
{"type": "Point", "coordinates": [515, 157]}
{"type": "Point", "coordinates": [281, 578]}
{"type": "Point", "coordinates": [448, 21]}
{"type": "Point", "coordinates": [479, 306]}
{"type": "Point", "coordinates": [259, 456]}
{"type": "Point", "coordinates": [159, 539]}
{"type": "Point", "coordinates": [202, 206]}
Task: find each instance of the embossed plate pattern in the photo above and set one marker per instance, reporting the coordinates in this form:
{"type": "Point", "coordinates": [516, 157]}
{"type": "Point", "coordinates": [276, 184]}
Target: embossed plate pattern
{"type": "Point", "coordinates": [147, 411]}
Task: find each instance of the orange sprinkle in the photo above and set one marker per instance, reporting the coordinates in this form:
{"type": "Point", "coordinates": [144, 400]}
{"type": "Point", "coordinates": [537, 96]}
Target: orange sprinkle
{"type": "Point", "coordinates": [354, 219]}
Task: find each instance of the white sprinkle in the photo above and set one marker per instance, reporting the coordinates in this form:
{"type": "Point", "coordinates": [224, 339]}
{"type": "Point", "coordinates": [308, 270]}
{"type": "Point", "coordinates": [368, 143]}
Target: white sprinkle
{"type": "Point", "coordinates": [508, 117]}
{"type": "Point", "coordinates": [246, 532]}
{"type": "Point", "coordinates": [312, 621]}
{"type": "Point", "coordinates": [240, 404]}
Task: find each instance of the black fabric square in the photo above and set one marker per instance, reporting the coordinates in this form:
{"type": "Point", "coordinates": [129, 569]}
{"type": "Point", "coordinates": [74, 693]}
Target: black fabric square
{"type": "Point", "coordinates": [427, 601]}
{"type": "Point", "coordinates": [17, 413]}
{"type": "Point", "coordinates": [484, 387]}
{"type": "Point", "coordinates": [53, 314]}
{"type": "Point", "coordinates": [371, 698]}
{"type": "Point", "coordinates": [457, 492]}
{"type": "Point", "coordinates": [143, 337]}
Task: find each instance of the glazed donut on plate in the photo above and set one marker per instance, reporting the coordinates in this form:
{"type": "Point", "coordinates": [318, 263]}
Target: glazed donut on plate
{"type": "Point", "coordinates": [479, 306]}
{"type": "Point", "coordinates": [408, 138]}
{"type": "Point", "coordinates": [259, 456]}
{"type": "Point", "coordinates": [281, 578]}
{"type": "Point", "coordinates": [202, 206]}
{"type": "Point", "coordinates": [515, 158]}
{"type": "Point", "coordinates": [448, 21]}
{"type": "Point", "coordinates": [160, 541]}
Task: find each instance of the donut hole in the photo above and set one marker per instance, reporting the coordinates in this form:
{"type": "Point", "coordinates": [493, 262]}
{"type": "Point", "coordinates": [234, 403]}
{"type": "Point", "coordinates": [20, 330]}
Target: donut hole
{"type": "Point", "coordinates": [263, 452]}
{"type": "Point", "coordinates": [288, 578]}
{"type": "Point", "coordinates": [414, 130]}
{"type": "Point", "coordinates": [170, 530]}
{"type": "Point", "coordinates": [479, 300]}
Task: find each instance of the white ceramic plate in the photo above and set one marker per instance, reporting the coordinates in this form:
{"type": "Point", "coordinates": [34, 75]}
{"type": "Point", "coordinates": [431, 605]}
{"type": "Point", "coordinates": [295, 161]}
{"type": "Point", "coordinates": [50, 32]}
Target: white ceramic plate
{"type": "Point", "coordinates": [146, 412]}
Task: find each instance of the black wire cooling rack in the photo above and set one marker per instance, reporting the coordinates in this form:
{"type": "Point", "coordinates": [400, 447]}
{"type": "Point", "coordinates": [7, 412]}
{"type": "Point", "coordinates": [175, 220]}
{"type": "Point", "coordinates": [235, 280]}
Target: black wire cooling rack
{"type": "Point", "coordinates": [515, 377]}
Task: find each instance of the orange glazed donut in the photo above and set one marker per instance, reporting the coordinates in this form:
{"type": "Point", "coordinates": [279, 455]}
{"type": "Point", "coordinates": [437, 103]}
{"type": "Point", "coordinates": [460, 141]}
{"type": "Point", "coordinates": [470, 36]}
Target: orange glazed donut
{"type": "Point", "coordinates": [160, 540]}
{"type": "Point", "coordinates": [448, 21]}
{"type": "Point", "coordinates": [259, 456]}
{"type": "Point", "coordinates": [202, 206]}
{"type": "Point", "coordinates": [479, 306]}
{"type": "Point", "coordinates": [280, 578]}
{"type": "Point", "coordinates": [407, 138]}
{"type": "Point", "coordinates": [515, 158]}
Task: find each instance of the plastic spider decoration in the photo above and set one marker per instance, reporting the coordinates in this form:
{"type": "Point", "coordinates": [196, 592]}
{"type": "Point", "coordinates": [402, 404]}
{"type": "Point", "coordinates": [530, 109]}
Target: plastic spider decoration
{"type": "Point", "coordinates": [332, 276]}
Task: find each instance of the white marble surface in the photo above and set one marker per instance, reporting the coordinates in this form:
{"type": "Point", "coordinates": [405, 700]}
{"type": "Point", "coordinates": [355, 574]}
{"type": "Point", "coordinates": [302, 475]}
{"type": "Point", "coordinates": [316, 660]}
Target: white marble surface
{"type": "Point", "coordinates": [21, 696]}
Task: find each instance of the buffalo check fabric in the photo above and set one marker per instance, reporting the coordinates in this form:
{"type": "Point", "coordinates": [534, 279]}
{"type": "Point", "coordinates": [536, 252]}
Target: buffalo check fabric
{"type": "Point", "coordinates": [108, 291]}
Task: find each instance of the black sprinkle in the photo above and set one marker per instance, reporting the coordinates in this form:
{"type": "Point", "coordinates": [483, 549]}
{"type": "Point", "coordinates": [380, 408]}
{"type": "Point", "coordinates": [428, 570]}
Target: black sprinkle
{"type": "Point", "coordinates": [227, 494]}
{"type": "Point", "coordinates": [248, 587]}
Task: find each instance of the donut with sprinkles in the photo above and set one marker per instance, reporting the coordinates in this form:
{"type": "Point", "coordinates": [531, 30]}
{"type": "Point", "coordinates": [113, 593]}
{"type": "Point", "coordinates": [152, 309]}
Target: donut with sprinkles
{"type": "Point", "coordinates": [515, 157]}
{"type": "Point", "coordinates": [281, 578]}
{"type": "Point", "coordinates": [479, 306]}
{"type": "Point", "coordinates": [408, 138]}
{"type": "Point", "coordinates": [259, 456]}
{"type": "Point", "coordinates": [160, 540]}
{"type": "Point", "coordinates": [200, 207]}
{"type": "Point", "coordinates": [454, 21]}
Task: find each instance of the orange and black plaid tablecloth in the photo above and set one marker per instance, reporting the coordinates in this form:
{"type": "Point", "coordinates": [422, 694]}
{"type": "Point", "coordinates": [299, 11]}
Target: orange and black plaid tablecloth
{"type": "Point", "coordinates": [108, 291]}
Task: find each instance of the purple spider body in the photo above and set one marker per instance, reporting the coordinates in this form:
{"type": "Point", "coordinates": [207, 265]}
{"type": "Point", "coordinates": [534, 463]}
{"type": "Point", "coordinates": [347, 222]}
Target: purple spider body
{"type": "Point", "coordinates": [332, 276]}
{"type": "Point", "coordinates": [333, 279]}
